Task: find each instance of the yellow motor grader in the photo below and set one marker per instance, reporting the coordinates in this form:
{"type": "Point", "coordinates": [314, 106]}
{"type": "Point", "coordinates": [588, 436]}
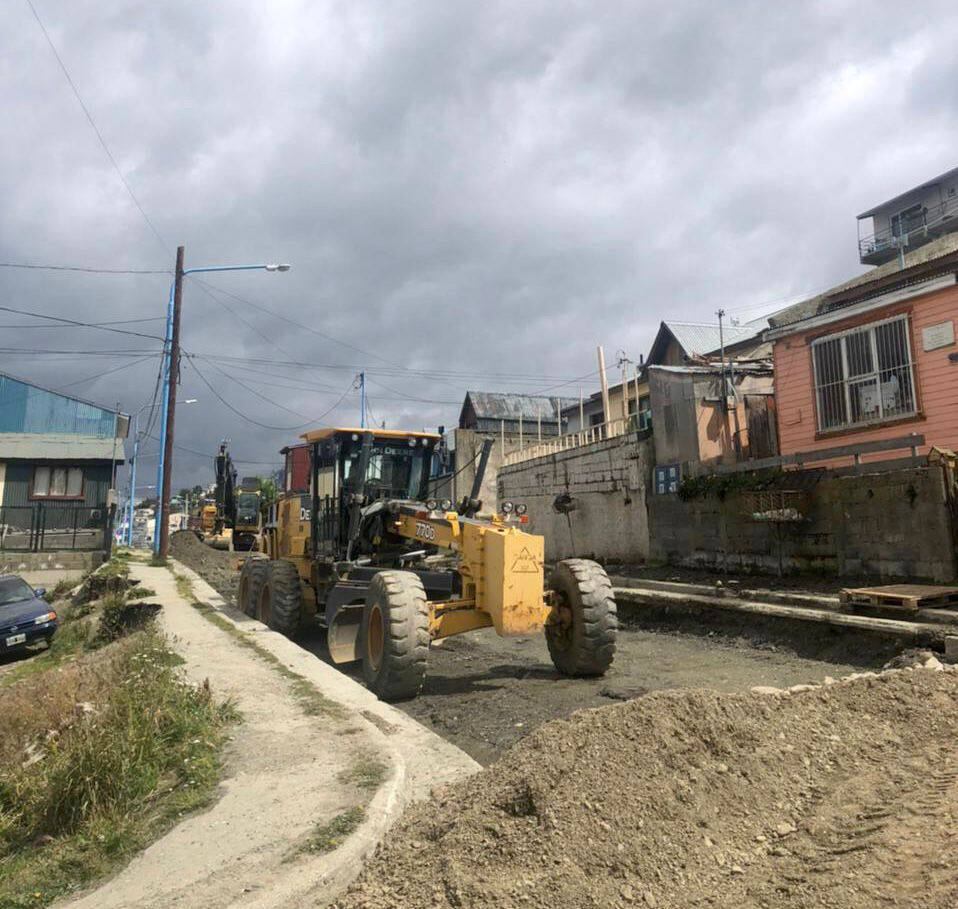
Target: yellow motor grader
{"type": "Point", "coordinates": [387, 569]}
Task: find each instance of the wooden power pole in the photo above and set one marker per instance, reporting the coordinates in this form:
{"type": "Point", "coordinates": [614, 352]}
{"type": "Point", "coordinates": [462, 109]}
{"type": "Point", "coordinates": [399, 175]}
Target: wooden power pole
{"type": "Point", "coordinates": [164, 528]}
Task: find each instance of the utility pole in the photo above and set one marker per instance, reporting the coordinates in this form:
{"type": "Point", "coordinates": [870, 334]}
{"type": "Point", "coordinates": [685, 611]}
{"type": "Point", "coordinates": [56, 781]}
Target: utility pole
{"type": "Point", "coordinates": [163, 531]}
{"type": "Point", "coordinates": [623, 359]}
{"type": "Point", "coordinates": [606, 416]}
{"type": "Point", "coordinates": [721, 315]}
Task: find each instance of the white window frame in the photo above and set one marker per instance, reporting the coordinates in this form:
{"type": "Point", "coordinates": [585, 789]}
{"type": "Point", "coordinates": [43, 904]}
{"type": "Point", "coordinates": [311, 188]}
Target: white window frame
{"type": "Point", "coordinates": [848, 381]}
{"type": "Point", "coordinates": [37, 493]}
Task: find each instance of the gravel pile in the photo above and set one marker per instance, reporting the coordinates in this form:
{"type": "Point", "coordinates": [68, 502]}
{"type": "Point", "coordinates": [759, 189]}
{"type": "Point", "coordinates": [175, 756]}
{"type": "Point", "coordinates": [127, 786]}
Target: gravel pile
{"type": "Point", "coordinates": [217, 566]}
{"type": "Point", "coordinates": [840, 795]}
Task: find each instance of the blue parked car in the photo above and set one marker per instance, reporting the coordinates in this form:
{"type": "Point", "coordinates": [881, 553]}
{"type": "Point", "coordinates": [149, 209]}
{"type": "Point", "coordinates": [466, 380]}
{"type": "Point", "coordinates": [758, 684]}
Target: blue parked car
{"type": "Point", "coordinates": [25, 617]}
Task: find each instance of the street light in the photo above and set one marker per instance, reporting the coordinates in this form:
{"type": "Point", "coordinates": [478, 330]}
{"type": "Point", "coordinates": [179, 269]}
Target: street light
{"type": "Point", "coordinates": [171, 349]}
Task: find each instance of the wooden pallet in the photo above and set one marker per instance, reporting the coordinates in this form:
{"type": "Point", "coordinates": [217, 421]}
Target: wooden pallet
{"type": "Point", "coordinates": [910, 597]}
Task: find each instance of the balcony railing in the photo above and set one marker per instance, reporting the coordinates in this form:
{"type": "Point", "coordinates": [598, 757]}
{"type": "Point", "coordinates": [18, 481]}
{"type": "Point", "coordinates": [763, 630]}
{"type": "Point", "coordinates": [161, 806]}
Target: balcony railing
{"type": "Point", "coordinates": [598, 433]}
{"type": "Point", "coordinates": [882, 245]}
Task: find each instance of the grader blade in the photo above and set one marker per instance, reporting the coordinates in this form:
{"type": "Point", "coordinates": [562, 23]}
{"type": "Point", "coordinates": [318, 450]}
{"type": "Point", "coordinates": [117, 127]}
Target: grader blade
{"type": "Point", "coordinates": [343, 635]}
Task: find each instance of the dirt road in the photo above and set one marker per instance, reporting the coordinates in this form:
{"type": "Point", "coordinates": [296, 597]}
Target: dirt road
{"type": "Point", "coordinates": [485, 693]}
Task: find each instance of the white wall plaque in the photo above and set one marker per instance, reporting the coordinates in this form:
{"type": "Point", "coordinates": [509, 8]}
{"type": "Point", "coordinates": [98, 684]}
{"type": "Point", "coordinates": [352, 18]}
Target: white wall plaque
{"type": "Point", "coordinates": [935, 336]}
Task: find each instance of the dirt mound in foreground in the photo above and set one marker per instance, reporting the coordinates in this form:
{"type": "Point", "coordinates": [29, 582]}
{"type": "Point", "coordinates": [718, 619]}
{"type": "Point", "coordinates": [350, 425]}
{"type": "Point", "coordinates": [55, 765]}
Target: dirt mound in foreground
{"type": "Point", "coordinates": [841, 796]}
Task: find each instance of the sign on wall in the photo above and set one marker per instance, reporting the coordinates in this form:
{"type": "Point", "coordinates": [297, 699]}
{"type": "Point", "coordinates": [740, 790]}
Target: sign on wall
{"type": "Point", "coordinates": [935, 336]}
{"type": "Point", "coordinates": [667, 478]}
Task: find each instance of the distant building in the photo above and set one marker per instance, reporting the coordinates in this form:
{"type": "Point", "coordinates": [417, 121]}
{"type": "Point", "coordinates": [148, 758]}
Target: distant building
{"type": "Point", "coordinates": [57, 458]}
{"type": "Point", "coordinates": [696, 422]}
{"type": "Point", "coordinates": [491, 411]}
{"type": "Point", "coordinates": [675, 344]}
{"type": "Point", "coordinates": [514, 421]}
{"type": "Point", "coordinates": [909, 220]}
{"type": "Point", "coordinates": [684, 343]}
{"type": "Point", "coordinates": [589, 412]}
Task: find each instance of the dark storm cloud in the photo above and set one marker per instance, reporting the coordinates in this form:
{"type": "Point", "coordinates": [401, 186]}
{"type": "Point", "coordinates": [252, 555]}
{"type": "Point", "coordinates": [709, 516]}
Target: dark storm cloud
{"type": "Point", "coordinates": [492, 188]}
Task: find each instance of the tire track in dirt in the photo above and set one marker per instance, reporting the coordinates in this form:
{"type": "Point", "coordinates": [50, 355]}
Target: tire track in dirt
{"type": "Point", "coordinates": [883, 836]}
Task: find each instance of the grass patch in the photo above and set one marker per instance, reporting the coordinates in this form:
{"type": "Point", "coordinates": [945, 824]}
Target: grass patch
{"type": "Point", "coordinates": [140, 593]}
{"type": "Point", "coordinates": [331, 835]}
{"type": "Point", "coordinates": [312, 701]}
{"type": "Point", "coordinates": [61, 590]}
{"type": "Point", "coordinates": [366, 772]}
{"type": "Point", "coordinates": [110, 577]}
{"type": "Point", "coordinates": [158, 562]}
{"type": "Point", "coordinates": [97, 759]}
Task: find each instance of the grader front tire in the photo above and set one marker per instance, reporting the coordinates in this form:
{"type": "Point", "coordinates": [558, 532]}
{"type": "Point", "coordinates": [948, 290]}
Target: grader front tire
{"type": "Point", "coordinates": [281, 598]}
{"type": "Point", "coordinates": [581, 636]}
{"type": "Point", "coordinates": [394, 635]}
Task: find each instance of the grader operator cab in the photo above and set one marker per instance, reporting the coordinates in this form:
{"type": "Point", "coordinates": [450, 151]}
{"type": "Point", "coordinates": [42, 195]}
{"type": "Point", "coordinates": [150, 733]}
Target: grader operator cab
{"type": "Point", "coordinates": [387, 569]}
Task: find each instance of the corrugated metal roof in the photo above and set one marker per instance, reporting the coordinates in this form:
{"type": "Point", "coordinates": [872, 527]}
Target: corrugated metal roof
{"type": "Point", "coordinates": [26, 407]}
{"type": "Point", "coordinates": [56, 447]}
{"type": "Point", "coordinates": [494, 405]}
{"type": "Point", "coordinates": [698, 339]}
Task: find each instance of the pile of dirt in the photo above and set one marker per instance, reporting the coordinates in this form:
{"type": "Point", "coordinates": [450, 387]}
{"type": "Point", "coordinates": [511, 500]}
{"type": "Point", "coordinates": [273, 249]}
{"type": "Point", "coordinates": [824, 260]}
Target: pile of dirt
{"type": "Point", "coordinates": [840, 795]}
{"type": "Point", "coordinates": [217, 566]}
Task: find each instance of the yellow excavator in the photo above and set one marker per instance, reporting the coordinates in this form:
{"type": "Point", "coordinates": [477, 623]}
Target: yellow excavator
{"type": "Point", "coordinates": [388, 569]}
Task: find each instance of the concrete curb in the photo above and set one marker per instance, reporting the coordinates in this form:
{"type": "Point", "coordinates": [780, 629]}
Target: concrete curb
{"type": "Point", "coordinates": [419, 758]}
{"type": "Point", "coordinates": [637, 599]}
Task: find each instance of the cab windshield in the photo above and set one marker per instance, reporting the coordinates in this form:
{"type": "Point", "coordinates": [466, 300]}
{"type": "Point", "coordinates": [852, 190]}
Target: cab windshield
{"type": "Point", "coordinates": [247, 505]}
{"type": "Point", "coordinates": [395, 471]}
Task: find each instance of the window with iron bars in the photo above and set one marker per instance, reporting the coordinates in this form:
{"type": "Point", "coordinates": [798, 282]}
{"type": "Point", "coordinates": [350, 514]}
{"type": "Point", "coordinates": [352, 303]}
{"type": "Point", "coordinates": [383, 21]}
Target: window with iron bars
{"type": "Point", "coordinates": [864, 375]}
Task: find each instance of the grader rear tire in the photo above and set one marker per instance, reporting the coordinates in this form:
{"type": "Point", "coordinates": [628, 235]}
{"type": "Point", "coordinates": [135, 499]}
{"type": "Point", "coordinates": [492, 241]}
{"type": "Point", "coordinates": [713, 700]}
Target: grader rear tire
{"type": "Point", "coordinates": [394, 635]}
{"type": "Point", "coordinates": [581, 637]}
{"type": "Point", "coordinates": [252, 578]}
{"type": "Point", "coordinates": [281, 598]}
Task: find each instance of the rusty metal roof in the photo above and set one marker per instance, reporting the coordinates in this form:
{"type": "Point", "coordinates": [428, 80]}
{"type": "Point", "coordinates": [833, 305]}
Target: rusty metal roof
{"type": "Point", "coordinates": [494, 405]}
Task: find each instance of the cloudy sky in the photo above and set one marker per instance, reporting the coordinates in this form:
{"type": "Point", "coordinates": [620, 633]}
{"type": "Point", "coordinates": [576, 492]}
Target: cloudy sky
{"type": "Point", "coordinates": [472, 195]}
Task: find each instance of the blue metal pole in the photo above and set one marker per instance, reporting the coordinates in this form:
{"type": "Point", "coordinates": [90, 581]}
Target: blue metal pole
{"type": "Point", "coordinates": [130, 506]}
{"type": "Point", "coordinates": [167, 350]}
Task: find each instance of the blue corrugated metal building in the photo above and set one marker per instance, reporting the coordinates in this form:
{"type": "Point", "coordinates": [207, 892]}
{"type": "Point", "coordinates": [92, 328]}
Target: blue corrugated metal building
{"type": "Point", "coordinates": [57, 458]}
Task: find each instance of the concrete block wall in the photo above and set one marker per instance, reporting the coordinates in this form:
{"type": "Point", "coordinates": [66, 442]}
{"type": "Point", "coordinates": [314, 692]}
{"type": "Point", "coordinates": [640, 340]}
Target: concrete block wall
{"type": "Point", "coordinates": [608, 481]}
{"type": "Point", "coordinates": [13, 562]}
{"type": "Point", "coordinates": [894, 524]}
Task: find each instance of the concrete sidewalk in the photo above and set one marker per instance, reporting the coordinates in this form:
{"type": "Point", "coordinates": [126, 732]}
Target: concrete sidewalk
{"type": "Point", "coordinates": [286, 772]}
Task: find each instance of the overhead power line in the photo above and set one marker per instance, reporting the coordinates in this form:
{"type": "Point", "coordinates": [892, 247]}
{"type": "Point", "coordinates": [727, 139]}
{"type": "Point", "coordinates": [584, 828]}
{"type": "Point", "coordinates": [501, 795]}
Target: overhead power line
{"type": "Point", "coordinates": [384, 371]}
{"type": "Point", "coordinates": [78, 324]}
{"type": "Point", "coordinates": [92, 324]}
{"type": "Point", "coordinates": [90, 271]}
{"type": "Point", "coordinates": [39, 352]}
{"type": "Point", "coordinates": [302, 325]}
{"type": "Point", "coordinates": [96, 129]}
{"type": "Point", "coordinates": [192, 361]}
{"type": "Point", "coordinates": [107, 372]}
